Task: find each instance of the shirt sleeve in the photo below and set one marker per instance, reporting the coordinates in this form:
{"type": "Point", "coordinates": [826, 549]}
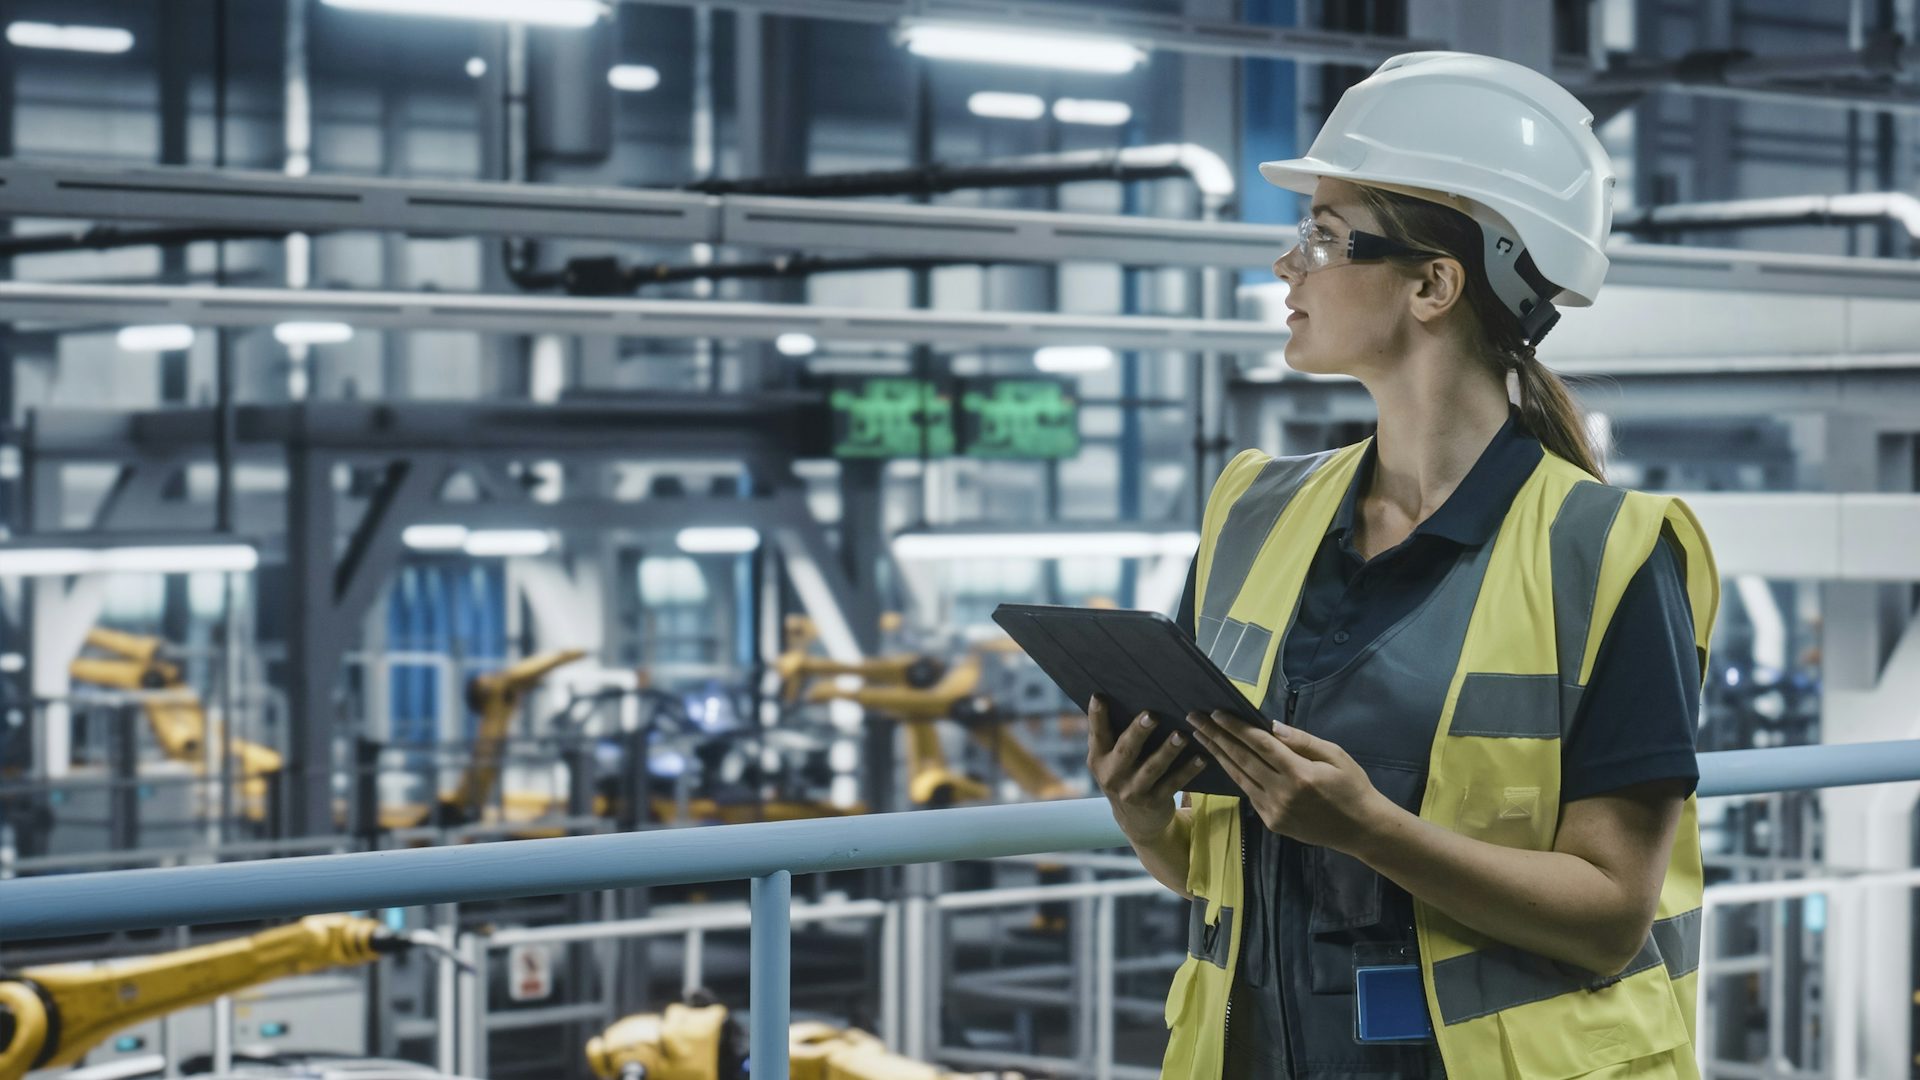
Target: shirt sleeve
{"type": "Point", "coordinates": [1184, 614]}
{"type": "Point", "coordinates": [1639, 716]}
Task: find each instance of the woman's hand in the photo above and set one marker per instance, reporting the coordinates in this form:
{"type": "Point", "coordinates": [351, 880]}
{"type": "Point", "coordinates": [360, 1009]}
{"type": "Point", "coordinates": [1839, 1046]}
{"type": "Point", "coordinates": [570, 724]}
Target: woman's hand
{"type": "Point", "coordinates": [1141, 790]}
{"type": "Point", "coordinates": [1304, 788]}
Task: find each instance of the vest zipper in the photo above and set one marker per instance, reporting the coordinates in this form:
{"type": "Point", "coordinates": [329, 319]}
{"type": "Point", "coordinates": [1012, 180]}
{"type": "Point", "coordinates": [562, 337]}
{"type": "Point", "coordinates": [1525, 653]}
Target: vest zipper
{"type": "Point", "coordinates": [1226, 1028]}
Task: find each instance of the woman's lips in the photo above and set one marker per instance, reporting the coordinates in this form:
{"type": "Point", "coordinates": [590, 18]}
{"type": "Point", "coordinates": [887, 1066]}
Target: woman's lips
{"type": "Point", "coordinates": [1295, 315]}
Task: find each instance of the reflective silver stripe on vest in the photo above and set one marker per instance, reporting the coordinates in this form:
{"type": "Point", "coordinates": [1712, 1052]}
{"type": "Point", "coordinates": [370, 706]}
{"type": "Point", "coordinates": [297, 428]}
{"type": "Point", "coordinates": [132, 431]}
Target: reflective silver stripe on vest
{"type": "Point", "coordinates": [1238, 650]}
{"type": "Point", "coordinates": [1249, 522]}
{"type": "Point", "coordinates": [1576, 544]}
{"type": "Point", "coordinates": [1209, 943]}
{"type": "Point", "coordinates": [1485, 982]}
{"type": "Point", "coordinates": [1679, 941]}
{"type": "Point", "coordinates": [1507, 706]}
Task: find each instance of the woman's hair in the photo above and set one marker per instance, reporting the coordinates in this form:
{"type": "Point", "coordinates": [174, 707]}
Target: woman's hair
{"type": "Point", "coordinates": [1547, 408]}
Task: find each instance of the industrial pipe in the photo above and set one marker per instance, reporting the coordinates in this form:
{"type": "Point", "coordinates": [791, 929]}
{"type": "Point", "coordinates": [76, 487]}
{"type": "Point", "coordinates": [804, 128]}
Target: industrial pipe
{"type": "Point", "coordinates": [1893, 206]}
{"type": "Point", "coordinates": [64, 905]}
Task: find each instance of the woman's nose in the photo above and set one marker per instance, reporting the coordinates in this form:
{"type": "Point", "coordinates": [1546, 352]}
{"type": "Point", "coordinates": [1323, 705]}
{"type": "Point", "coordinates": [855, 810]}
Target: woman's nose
{"type": "Point", "coordinates": [1284, 268]}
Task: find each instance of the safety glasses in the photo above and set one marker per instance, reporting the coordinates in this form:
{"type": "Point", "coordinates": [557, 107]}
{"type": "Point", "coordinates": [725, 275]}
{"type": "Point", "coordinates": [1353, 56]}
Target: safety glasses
{"type": "Point", "coordinates": [1318, 249]}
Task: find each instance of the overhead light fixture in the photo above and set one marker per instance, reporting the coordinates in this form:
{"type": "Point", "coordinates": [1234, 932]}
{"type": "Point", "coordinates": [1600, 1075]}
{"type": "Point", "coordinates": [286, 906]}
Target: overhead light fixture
{"type": "Point", "coordinates": [718, 539]}
{"type": "Point", "coordinates": [635, 78]}
{"type": "Point", "coordinates": [485, 543]}
{"type": "Point", "coordinates": [87, 39]}
{"type": "Point", "coordinates": [998, 105]}
{"type": "Point", "coordinates": [796, 344]}
{"type": "Point", "coordinates": [476, 67]}
{"type": "Point", "coordinates": [1091, 111]}
{"type": "Point", "coordinates": [158, 337]}
{"type": "Point", "coordinates": [1022, 48]}
{"type": "Point", "coordinates": [479, 543]}
{"type": "Point", "coordinates": [434, 537]}
{"type": "Point", "coordinates": [574, 13]}
{"type": "Point", "coordinates": [1073, 359]}
{"type": "Point", "coordinates": [312, 333]}
{"type": "Point", "coordinates": [36, 560]}
{"type": "Point", "coordinates": [1115, 542]}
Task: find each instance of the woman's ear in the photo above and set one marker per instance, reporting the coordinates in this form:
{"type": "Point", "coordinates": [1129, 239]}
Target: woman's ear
{"type": "Point", "coordinates": [1440, 288]}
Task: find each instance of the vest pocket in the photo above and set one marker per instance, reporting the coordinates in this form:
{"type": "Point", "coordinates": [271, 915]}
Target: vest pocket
{"type": "Point", "coordinates": [1592, 1031]}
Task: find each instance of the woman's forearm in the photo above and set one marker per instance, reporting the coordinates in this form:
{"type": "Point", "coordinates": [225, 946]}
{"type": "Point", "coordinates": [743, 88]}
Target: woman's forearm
{"type": "Point", "coordinates": [1164, 853]}
{"type": "Point", "coordinates": [1555, 904]}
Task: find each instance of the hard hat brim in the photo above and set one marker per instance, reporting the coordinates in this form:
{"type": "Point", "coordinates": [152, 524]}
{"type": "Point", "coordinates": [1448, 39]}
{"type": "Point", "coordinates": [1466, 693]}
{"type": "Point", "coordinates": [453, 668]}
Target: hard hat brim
{"type": "Point", "coordinates": [1299, 174]}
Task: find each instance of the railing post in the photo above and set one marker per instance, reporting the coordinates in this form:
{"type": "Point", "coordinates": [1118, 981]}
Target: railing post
{"type": "Point", "coordinates": [890, 980]}
{"type": "Point", "coordinates": [1103, 985]}
{"type": "Point", "coordinates": [768, 995]}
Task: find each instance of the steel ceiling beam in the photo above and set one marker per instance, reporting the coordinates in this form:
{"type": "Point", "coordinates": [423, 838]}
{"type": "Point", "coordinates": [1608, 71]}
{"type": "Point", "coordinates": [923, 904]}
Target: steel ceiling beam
{"type": "Point", "coordinates": [236, 198]}
{"type": "Point", "coordinates": [495, 314]}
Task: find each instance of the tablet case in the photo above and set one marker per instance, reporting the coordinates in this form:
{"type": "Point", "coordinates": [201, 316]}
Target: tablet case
{"type": "Point", "coordinates": [1139, 661]}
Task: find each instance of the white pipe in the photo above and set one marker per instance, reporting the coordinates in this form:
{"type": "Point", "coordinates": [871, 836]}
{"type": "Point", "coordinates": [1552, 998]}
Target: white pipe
{"type": "Point", "coordinates": [1896, 206]}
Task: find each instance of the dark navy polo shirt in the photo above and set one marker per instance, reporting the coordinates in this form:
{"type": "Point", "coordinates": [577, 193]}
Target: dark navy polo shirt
{"type": "Point", "coordinates": [1638, 718]}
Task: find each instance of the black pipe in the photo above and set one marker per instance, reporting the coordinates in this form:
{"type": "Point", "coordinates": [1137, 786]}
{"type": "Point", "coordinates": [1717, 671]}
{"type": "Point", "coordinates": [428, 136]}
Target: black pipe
{"type": "Point", "coordinates": [604, 275]}
{"type": "Point", "coordinates": [108, 237]}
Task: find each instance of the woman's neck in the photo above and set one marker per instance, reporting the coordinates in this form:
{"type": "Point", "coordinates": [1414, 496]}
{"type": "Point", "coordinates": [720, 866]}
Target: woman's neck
{"type": "Point", "coordinates": [1436, 419]}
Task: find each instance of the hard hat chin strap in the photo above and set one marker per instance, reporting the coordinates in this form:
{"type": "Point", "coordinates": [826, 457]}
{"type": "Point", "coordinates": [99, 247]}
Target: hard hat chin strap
{"type": "Point", "coordinates": [1532, 305]}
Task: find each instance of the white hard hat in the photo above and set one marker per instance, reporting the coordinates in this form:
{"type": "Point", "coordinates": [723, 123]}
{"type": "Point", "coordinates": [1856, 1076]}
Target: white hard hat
{"type": "Point", "coordinates": [1496, 140]}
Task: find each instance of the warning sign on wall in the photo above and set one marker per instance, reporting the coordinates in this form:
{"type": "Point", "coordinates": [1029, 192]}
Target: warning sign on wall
{"type": "Point", "coordinates": [530, 969]}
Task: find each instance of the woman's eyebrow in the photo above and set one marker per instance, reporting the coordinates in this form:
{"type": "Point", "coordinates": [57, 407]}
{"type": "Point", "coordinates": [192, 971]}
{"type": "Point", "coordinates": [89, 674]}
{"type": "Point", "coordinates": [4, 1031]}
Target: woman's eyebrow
{"type": "Point", "coordinates": [1323, 208]}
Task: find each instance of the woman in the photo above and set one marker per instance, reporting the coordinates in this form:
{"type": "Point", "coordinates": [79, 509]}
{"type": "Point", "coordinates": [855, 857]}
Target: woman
{"type": "Point", "coordinates": [1468, 842]}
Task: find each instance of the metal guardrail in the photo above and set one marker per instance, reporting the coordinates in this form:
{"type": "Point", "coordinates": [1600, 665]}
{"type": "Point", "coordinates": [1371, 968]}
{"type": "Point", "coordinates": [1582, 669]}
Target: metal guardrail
{"type": "Point", "coordinates": [766, 853]}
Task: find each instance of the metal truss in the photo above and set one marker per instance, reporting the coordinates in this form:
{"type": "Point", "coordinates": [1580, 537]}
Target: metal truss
{"type": "Point", "coordinates": [485, 313]}
{"type": "Point", "coordinates": [237, 198]}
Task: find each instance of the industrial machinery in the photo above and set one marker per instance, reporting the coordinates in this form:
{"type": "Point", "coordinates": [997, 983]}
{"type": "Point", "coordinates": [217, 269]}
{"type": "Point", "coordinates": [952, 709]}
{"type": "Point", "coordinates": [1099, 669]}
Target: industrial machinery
{"type": "Point", "coordinates": [981, 691]}
{"type": "Point", "coordinates": [53, 1015]}
{"type": "Point", "coordinates": [701, 1042]}
{"type": "Point", "coordinates": [495, 696]}
{"type": "Point", "coordinates": [174, 710]}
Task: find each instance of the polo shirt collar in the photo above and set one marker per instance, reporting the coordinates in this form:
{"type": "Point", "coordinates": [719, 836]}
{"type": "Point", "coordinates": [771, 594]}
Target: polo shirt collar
{"type": "Point", "coordinates": [1473, 513]}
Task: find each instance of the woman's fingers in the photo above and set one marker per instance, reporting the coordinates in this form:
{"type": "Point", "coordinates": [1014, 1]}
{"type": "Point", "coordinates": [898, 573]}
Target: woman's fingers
{"type": "Point", "coordinates": [1127, 746]}
{"type": "Point", "coordinates": [1260, 741]}
{"type": "Point", "coordinates": [1099, 724]}
{"type": "Point", "coordinates": [1178, 777]}
{"type": "Point", "coordinates": [1156, 764]}
{"type": "Point", "coordinates": [1228, 750]}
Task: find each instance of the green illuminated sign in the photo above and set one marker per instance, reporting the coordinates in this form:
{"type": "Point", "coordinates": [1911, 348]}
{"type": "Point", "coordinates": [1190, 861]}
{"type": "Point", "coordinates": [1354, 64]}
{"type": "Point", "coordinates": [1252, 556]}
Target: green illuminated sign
{"type": "Point", "coordinates": [1020, 419]}
{"type": "Point", "coordinates": [890, 418]}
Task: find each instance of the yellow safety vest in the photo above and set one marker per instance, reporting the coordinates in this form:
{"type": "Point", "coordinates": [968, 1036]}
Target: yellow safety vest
{"type": "Point", "coordinates": [1564, 554]}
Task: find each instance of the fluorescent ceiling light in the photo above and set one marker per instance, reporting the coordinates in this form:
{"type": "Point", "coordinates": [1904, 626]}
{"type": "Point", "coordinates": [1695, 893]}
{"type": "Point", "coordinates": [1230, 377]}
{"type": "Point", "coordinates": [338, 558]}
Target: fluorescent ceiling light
{"type": "Point", "coordinates": [1073, 359]}
{"type": "Point", "coordinates": [544, 12]}
{"type": "Point", "coordinates": [718, 540]}
{"type": "Point", "coordinates": [479, 543]}
{"type": "Point", "coordinates": [1088, 111]}
{"type": "Point", "coordinates": [796, 344]}
{"type": "Point", "coordinates": [434, 537]}
{"type": "Point", "coordinates": [133, 559]}
{"type": "Point", "coordinates": [1117, 543]}
{"type": "Point", "coordinates": [637, 78]}
{"type": "Point", "coordinates": [87, 39]}
{"type": "Point", "coordinates": [996, 105]}
{"type": "Point", "coordinates": [1022, 48]}
{"type": "Point", "coordinates": [482, 543]}
{"type": "Point", "coordinates": [312, 333]}
{"type": "Point", "coordinates": [159, 337]}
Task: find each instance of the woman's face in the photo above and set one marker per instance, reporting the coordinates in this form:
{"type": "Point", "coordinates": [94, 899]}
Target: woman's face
{"type": "Point", "coordinates": [1347, 318]}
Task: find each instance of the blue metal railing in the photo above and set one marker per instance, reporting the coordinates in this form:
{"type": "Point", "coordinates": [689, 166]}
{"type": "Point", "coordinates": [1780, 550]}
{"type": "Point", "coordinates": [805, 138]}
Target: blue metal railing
{"type": "Point", "coordinates": [766, 853]}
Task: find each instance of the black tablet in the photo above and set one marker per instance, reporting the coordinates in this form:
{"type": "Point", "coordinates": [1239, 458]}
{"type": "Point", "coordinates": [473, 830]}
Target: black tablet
{"type": "Point", "coordinates": [1139, 661]}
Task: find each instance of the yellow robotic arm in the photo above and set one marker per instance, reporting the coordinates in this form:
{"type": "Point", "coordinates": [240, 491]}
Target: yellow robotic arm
{"type": "Point", "coordinates": [53, 1015]}
{"type": "Point", "coordinates": [496, 696]}
{"type": "Point", "coordinates": [690, 1043]}
{"type": "Point", "coordinates": [174, 711]}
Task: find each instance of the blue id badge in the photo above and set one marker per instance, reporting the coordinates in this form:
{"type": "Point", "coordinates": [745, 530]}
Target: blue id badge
{"type": "Point", "coordinates": [1389, 1000]}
